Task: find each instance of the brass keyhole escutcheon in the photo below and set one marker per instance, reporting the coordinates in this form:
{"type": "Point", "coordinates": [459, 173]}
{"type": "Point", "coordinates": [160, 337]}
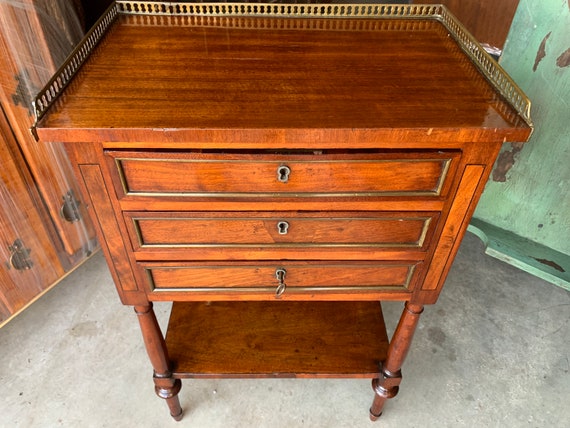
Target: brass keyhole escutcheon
{"type": "Point", "coordinates": [280, 275]}
{"type": "Point", "coordinates": [282, 227]}
{"type": "Point", "coordinates": [283, 173]}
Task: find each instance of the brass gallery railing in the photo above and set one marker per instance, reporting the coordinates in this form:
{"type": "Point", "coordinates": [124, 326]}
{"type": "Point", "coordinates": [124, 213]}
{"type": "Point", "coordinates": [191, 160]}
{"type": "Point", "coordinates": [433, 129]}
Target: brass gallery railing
{"type": "Point", "coordinates": [214, 14]}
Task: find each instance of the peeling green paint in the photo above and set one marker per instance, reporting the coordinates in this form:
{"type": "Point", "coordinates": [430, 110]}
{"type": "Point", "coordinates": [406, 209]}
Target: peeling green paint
{"type": "Point", "coordinates": [564, 59]}
{"type": "Point", "coordinates": [529, 195]}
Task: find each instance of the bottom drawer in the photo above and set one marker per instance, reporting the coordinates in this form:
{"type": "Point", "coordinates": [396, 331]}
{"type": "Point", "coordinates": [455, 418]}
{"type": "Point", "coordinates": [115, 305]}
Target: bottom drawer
{"type": "Point", "coordinates": [281, 278]}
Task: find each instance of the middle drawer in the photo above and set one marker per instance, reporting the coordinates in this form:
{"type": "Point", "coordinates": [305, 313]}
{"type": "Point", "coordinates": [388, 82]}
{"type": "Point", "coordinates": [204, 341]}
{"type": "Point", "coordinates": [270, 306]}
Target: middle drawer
{"type": "Point", "coordinates": [184, 230]}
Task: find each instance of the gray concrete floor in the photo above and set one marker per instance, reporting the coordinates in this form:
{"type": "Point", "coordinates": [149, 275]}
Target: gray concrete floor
{"type": "Point", "coordinates": [493, 352]}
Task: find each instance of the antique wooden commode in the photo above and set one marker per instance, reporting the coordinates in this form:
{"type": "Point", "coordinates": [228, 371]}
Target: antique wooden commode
{"type": "Point", "coordinates": [278, 170]}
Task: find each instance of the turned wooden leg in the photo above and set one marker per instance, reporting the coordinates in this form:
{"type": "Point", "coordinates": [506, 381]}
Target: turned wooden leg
{"type": "Point", "coordinates": [387, 385]}
{"type": "Point", "coordinates": [164, 385]}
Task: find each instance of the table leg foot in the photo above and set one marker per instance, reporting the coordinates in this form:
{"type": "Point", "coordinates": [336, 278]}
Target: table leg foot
{"type": "Point", "coordinates": [175, 410]}
{"type": "Point", "coordinates": [386, 386]}
{"type": "Point", "coordinates": [374, 417]}
{"type": "Point", "coordinates": [178, 417]}
{"type": "Point", "coordinates": [168, 389]}
{"type": "Point", "coordinates": [165, 385]}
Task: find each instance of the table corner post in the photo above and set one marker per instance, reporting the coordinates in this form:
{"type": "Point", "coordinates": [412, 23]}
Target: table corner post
{"type": "Point", "coordinates": [166, 386]}
{"type": "Point", "coordinates": [387, 384]}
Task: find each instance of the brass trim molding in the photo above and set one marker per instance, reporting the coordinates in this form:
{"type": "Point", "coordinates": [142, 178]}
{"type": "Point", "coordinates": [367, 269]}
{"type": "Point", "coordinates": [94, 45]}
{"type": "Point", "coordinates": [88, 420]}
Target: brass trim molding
{"type": "Point", "coordinates": [494, 73]}
{"type": "Point", "coordinates": [277, 10]}
{"type": "Point", "coordinates": [405, 286]}
{"type": "Point", "coordinates": [418, 243]}
{"type": "Point", "coordinates": [436, 191]}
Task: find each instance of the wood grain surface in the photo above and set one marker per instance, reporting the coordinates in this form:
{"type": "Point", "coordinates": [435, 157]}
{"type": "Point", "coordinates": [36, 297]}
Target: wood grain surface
{"type": "Point", "coordinates": [263, 73]}
{"type": "Point", "coordinates": [271, 339]}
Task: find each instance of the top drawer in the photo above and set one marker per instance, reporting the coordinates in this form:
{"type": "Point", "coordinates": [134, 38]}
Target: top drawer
{"type": "Point", "coordinates": [187, 174]}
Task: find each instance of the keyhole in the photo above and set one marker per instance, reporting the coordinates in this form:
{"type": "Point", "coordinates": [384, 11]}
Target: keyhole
{"type": "Point", "coordinates": [282, 227]}
{"type": "Point", "coordinates": [283, 173]}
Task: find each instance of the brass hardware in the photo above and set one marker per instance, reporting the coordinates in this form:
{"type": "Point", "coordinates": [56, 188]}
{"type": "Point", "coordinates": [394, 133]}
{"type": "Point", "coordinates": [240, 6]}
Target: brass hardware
{"type": "Point", "coordinates": [63, 76]}
{"type": "Point", "coordinates": [24, 91]}
{"type": "Point", "coordinates": [282, 227]}
{"type": "Point", "coordinates": [283, 173]}
{"type": "Point", "coordinates": [20, 256]}
{"type": "Point", "coordinates": [280, 275]}
{"type": "Point", "coordinates": [70, 208]}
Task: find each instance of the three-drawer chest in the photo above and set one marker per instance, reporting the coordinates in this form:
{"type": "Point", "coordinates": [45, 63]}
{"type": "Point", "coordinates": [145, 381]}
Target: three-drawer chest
{"type": "Point", "coordinates": [277, 171]}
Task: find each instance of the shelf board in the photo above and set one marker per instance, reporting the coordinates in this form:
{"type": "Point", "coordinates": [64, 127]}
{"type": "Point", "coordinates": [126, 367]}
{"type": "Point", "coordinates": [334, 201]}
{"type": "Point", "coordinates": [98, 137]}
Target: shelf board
{"type": "Point", "coordinates": [276, 339]}
{"type": "Point", "coordinates": [532, 257]}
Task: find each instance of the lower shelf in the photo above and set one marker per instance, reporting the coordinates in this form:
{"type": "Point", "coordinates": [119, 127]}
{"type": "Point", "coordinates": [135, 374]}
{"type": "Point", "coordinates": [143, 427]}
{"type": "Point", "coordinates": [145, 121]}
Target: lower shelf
{"type": "Point", "coordinates": [276, 339]}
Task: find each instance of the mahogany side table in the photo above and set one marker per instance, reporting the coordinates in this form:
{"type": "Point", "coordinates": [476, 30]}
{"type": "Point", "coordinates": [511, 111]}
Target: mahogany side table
{"type": "Point", "coordinates": [277, 171]}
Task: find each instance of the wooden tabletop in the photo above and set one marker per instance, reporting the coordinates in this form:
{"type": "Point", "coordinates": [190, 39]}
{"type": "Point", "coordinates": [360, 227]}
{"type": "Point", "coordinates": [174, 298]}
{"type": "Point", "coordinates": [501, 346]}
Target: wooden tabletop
{"type": "Point", "coordinates": [172, 78]}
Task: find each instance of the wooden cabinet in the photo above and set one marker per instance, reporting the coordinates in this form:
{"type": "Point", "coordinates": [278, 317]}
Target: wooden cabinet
{"type": "Point", "coordinates": [30, 262]}
{"type": "Point", "coordinates": [489, 21]}
{"type": "Point", "coordinates": [529, 229]}
{"type": "Point", "coordinates": [276, 171]}
{"type": "Point", "coordinates": [41, 208]}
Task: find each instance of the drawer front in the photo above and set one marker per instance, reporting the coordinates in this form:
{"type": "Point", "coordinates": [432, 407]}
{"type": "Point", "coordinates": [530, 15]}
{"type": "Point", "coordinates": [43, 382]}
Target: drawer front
{"type": "Point", "coordinates": [231, 175]}
{"type": "Point", "coordinates": [267, 277]}
{"type": "Point", "coordinates": [279, 229]}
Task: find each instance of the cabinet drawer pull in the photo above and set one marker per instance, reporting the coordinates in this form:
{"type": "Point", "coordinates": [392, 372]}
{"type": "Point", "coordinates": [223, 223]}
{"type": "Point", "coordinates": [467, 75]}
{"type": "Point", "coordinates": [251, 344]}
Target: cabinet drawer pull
{"type": "Point", "coordinates": [280, 275]}
{"type": "Point", "coordinates": [283, 173]}
{"type": "Point", "coordinates": [282, 227]}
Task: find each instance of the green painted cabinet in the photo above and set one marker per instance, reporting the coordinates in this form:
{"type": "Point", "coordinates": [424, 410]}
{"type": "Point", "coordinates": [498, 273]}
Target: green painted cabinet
{"type": "Point", "coordinates": [524, 213]}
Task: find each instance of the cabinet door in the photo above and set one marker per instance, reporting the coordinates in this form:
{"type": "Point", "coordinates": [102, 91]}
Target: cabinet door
{"type": "Point", "coordinates": [29, 263]}
{"type": "Point", "coordinates": [35, 38]}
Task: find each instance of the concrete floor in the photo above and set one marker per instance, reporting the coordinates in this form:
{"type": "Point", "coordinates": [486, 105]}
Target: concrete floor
{"type": "Point", "coordinates": [493, 352]}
